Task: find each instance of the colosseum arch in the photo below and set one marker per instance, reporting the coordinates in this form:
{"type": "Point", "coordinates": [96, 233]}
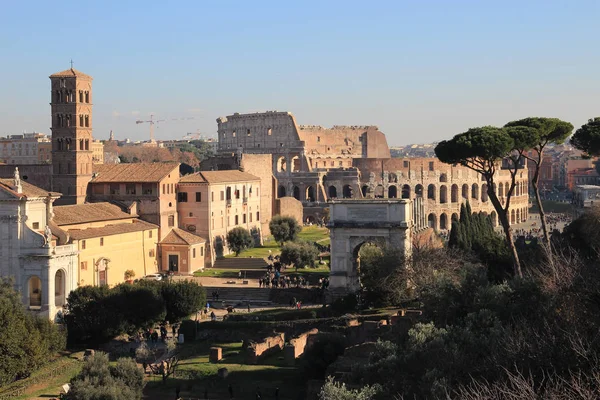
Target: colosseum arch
{"type": "Point", "coordinates": [419, 190]}
{"type": "Point", "coordinates": [512, 217]}
{"type": "Point", "coordinates": [310, 194]}
{"type": "Point", "coordinates": [332, 192]}
{"type": "Point", "coordinates": [347, 192]}
{"type": "Point", "coordinates": [443, 194]}
{"type": "Point", "coordinates": [365, 190]}
{"type": "Point", "coordinates": [281, 191]}
{"type": "Point", "coordinates": [392, 177]}
{"type": "Point", "coordinates": [296, 192]}
{"type": "Point", "coordinates": [475, 191]}
{"type": "Point", "coordinates": [443, 178]}
{"type": "Point", "coordinates": [454, 194]}
{"type": "Point", "coordinates": [500, 189]}
{"type": "Point", "coordinates": [392, 192]}
{"type": "Point", "coordinates": [431, 192]}
{"type": "Point", "coordinates": [432, 221]}
{"type": "Point", "coordinates": [455, 217]}
{"type": "Point", "coordinates": [295, 164]}
{"type": "Point", "coordinates": [405, 191]}
{"type": "Point", "coordinates": [484, 193]}
{"type": "Point", "coordinates": [281, 164]}
{"type": "Point", "coordinates": [465, 191]}
{"type": "Point", "coordinates": [494, 218]}
{"type": "Point", "coordinates": [379, 191]}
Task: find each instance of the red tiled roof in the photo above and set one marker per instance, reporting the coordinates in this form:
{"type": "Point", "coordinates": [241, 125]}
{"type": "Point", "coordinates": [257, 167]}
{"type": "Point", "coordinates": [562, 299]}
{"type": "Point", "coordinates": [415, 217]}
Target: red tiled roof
{"type": "Point", "coordinates": [28, 189]}
{"type": "Point", "coordinates": [226, 176]}
{"type": "Point", "coordinates": [70, 73]}
{"type": "Point", "coordinates": [90, 212]}
{"type": "Point", "coordinates": [134, 173]}
{"type": "Point", "coordinates": [179, 236]}
{"type": "Point", "coordinates": [109, 230]}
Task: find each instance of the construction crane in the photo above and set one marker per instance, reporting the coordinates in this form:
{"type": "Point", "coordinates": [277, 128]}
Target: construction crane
{"type": "Point", "coordinates": [153, 121]}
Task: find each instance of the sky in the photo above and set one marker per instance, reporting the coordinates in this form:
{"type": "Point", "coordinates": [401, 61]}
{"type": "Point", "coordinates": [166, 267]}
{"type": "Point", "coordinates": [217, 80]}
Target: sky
{"type": "Point", "coordinates": [422, 71]}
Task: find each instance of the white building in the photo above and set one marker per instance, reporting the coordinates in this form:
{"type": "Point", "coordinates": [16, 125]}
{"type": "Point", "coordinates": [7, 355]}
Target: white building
{"type": "Point", "coordinates": [43, 272]}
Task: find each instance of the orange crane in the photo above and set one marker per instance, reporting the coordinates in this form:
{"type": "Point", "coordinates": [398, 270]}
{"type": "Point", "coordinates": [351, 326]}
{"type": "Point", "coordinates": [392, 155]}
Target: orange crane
{"type": "Point", "coordinates": [153, 121]}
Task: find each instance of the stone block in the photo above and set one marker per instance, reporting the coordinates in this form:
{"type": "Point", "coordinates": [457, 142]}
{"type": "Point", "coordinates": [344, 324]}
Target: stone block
{"type": "Point", "coordinates": [215, 355]}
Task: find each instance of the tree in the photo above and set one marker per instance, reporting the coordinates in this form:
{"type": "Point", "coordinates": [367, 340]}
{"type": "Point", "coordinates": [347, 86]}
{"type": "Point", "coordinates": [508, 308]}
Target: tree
{"type": "Point", "coordinates": [541, 132]}
{"type": "Point", "coordinates": [182, 299]}
{"type": "Point", "coordinates": [98, 380]}
{"type": "Point", "coordinates": [239, 239]}
{"type": "Point", "coordinates": [485, 150]}
{"type": "Point", "coordinates": [284, 229]}
{"type": "Point", "coordinates": [382, 275]}
{"type": "Point", "coordinates": [332, 390]}
{"type": "Point", "coordinates": [299, 254]}
{"type": "Point", "coordinates": [587, 138]}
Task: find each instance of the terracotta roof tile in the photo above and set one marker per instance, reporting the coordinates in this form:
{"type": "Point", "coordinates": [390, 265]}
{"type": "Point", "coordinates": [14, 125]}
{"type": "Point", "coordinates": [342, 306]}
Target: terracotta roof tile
{"type": "Point", "coordinates": [91, 212]}
{"type": "Point", "coordinates": [137, 172]}
{"type": "Point", "coordinates": [110, 230]}
{"type": "Point", "coordinates": [28, 189]}
{"type": "Point", "coordinates": [230, 176]}
{"type": "Point", "coordinates": [179, 236]}
{"type": "Point", "coordinates": [70, 73]}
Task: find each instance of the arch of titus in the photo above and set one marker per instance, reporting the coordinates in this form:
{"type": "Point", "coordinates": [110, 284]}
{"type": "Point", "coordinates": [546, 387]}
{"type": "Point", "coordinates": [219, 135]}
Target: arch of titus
{"type": "Point", "coordinates": [353, 223]}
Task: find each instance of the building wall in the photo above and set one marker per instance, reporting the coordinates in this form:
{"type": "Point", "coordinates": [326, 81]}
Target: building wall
{"type": "Point", "coordinates": [261, 166]}
{"type": "Point", "coordinates": [38, 175]}
{"type": "Point", "coordinates": [97, 152]}
{"type": "Point", "coordinates": [132, 250]}
{"type": "Point", "coordinates": [289, 206]}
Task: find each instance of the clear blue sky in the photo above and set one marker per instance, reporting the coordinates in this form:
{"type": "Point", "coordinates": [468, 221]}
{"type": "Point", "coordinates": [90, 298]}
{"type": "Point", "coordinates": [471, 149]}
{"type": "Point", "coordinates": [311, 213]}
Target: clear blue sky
{"type": "Point", "coordinates": [420, 70]}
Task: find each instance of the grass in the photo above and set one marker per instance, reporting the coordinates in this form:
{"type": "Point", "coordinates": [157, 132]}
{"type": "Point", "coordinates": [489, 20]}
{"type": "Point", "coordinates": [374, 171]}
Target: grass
{"type": "Point", "coordinates": [314, 233]}
{"type": "Point", "coordinates": [553, 207]}
{"type": "Point", "coordinates": [259, 252]}
{"type": "Point", "coordinates": [217, 273]}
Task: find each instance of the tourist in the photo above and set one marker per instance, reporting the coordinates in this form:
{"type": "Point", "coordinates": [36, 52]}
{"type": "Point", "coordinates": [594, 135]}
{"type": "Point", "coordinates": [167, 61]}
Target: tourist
{"type": "Point", "coordinates": [248, 306]}
{"type": "Point", "coordinates": [213, 317]}
{"type": "Point", "coordinates": [230, 389]}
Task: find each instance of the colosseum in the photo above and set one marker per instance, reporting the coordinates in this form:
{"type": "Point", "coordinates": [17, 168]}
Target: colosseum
{"type": "Point", "coordinates": [314, 164]}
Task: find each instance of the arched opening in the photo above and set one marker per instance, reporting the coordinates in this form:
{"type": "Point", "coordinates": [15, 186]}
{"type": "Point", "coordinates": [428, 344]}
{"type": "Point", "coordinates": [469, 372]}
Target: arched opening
{"type": "Point", "coordinates": [494, 218]}
{"type": "Point", "coordinates": [506, 189]}
{"type": "Point", "coordinates": [475, 191]}
{"type": "Point", "coordinates": [443, 178]}
{"type": "Point", "coordinates": [392, 178]}
{"type": "Point", "coordinates": [419, 190]}
{"type": "Point", "coordinates": [295, 164]}
{"type": "Point", "coordinates": [512, 217]}
{"type": "Point", "coordinates": [347, 191]}
{"type": "Point", "coordinates": [465, 191]}
{"type": "Point", "coordinates": [281, 191]}
{"type": "Point", "coordinates": [501, 189]}
{"type": "Point", "coordinates": [296, 192]}
{"type": "Point", "coordinates": [392, 192]}
{"type": "Point", "coordinates": [364, 255]}
{"type": "Point", "coordinates": [432, 221]}
{"type": "Point", "coordinates": [59, 288]}
{"type": "Point", "coordinates": [332, 192]}
{"type": "Point", "coordinates": [431, 192]}
{"type": "Point", "coordinates": [443, 221]}
{"type": "Point", "coordinates": [35, 292]}
{"type": "Point", "coordinates": [484, 193]}
{"type": "Point", "coordinates": [365, 190]}
{"type": "Point", "coordinates": [454, 217]}
{"type": "Point", "coordinates": [518, 216]}
{"type": "Point", "coordinates": [443, 194]}
{"type": "Point", "coordinates": [281, 164]}
{"type": "Point", "coordinates": [310, 194]}
{"type": "Point", "coordinates": [405, 192]}
{"type": "Point", "coordinates": [379, 192]}
{"type": "Point", "coordinates": [454, 194]}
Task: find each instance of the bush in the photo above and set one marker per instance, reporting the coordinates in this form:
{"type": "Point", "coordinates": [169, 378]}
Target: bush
{"type": "Point", "coordinates": [188, 328]}
{"type": "Point", "coordinates": [324, 351]}
{"type": "Point", "coordinates": [284, 229]}
{"type": "Point", "coordinates": [239, 239]}
{"type": "Point", "coordinates": [299, 254]}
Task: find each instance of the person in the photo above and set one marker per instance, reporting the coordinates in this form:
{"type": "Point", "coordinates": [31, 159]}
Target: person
{"type": "Point", "coordinates": [230, 389]}
{"type": "Point", "coordinates": [240, 275]}
{"type": "Point", "coordinates": [248, 306]}
{"type": "Point", "coordinates": [258, 395]}
{"type": "Point", "coordinates": [213, 317]}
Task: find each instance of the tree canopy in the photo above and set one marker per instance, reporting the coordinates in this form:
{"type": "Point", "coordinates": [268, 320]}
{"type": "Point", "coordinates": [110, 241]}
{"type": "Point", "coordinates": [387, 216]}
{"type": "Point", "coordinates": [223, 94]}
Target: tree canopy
{"type": "Point", "coordinates": [587, 138]}
{"type": "Point", "coordinates": [284, 228]}
{"type": "Point", "coordinates": [299, 254]}
{"type": "Point", "coordinates": [239, 239]}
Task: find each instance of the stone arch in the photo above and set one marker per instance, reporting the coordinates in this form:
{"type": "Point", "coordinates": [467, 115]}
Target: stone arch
{"type": "Point", "coordinates": [475, 191]}
{"type": "Point", "coordinates": [484, 193]}
{"type": "Point", "coordinates": [494, 218]}
{"type": "Point", "coordinates": [443, 178]}
{"type": "Point", "coordinates": [506, 189]}
{"type": "Point", "coordinates": [431, 192]}
{"type": "Point", "coordinates": [34, 285]}
{"type": "Point", "coordinates": [295, 164]}
{"type": "Point", "coordinates": [432, 221]}
{"type": "Point", "coordinates": [332, 192]}
{"type": "Point", "coordinates": [310, 193]}
{"type": "Point", "coordinates": [379, 191]}
{"type": "Point", "coordinates": [282, 164]}
{"type": "Point", "coordinates": [296, 192]}
{"type": "Point", "coordinates": [392, 192]}
{"type": "Point", "coordinates": [365, 190]}
{"type": "Point", "coordinates": [347, 192]}
{"type": "Point", "coordinates": [392, 177]}
{"type": "Point", "coordinates": [454, 194]}
{"type": "Point", "coordinates": [443, 194]}
{"type": "Point", "coordinates": [518, 215]}
{"type": "Point", "coordinates": [419, 190]}
{"type": "Point", "coordinates": [281, 191]}
{"type": "Point", "coordinates": [465, 191]}
{"type": "Point", "coordinates": [454, 217]}
{"type": "Point", "coordinates": [60, 286]}
{"type": "Point", "coordinates": [512, 217]}
{"type": "Point", "coordinates": [405, 191]}
{"type": "Point", "coordinates": [501, 189]}
{"type": "Point", "coordinates": [443, 221]}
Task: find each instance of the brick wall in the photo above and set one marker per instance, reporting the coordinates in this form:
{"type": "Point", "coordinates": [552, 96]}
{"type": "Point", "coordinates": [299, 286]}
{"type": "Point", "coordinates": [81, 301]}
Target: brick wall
{"type": "Point", "coordinates": [39, 175]}
{"type": "Point", "coordinates": [261, 166]}
{"type": "Point", "coordinates": [291, 207]}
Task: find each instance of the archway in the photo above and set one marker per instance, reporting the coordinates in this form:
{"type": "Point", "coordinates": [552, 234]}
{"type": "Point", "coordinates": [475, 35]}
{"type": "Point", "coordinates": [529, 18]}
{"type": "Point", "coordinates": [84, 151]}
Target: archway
{"type": "Point", "coordinates": [506, 189]}
{"type": "Point", "coordinates": [494, 218]}
{"type": "Point", "coordinates": [35, 291]}
{"type": "Point", "coordinates": [295, 164]}
{"type": "Point", "coordinates": [432, 221]}
{"type": "Point", "coordinates": [518, 216]}
{"type": "Point", "coordinates": [431, 192]}
{"type": "Point", "coordinates": [59, 288]}
{"type": "Point", "coordinates": [465, 191]}
{"type": "Point", "coordinates": [419, 190]}
{"type": "Point", "coordinates": [454, 194]}
{"type": "Point", "coordinates": [310, 194]}
{"type": "Point", "coordinates": [454, 217]}
{"type": "Point", "coordinates": [484, 193]}
{"type": "Point", "coordinates": [443, 221]}
{"type": "Point", "coordinates": [405, 192]}
{"type": "Point", "coordinates": [281, 191]}
{"type": "Point", "coordinates": [379, 191]}
{"type": "Point", "coordinates": [443, 178]}
{"type": "Point", "coordinates": [347, 192]}
{"type": "Point", "coordinates": [475, 191]}
{"type": "Point", "coordinates": [392, 192]}
{"type": "Point", "coordinates": [443, 194]}
{"type": "Point", "coordinates": [512, 217]}
{"type": "Point", "coordinates": [281, 164]}
{"type": "Point", "coordinates": [392, 177]}
{"type": "Point", "coordinates": [296, 192]}
{"type": "Point", "coordinates": [332, 192]}
{"type": "Point", "coordinates": [365, 190]}
{"type": "Point", "coordinates": [501, 189]}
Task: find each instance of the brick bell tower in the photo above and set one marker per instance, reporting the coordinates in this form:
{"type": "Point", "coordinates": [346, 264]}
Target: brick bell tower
{"type": "Point", "coordinates": [71, 108]}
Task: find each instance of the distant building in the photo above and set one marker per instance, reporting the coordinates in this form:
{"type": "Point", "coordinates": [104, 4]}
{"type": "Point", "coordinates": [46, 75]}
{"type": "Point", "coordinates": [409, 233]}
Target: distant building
{"type": "Point", "coordinates": [97, 152]}
{"type": "Point", "coordinates": [582, 176]}
{"type": "Point", "coordinates": [27, 148]}
{"type": "Point", "coordinates": [585, 196]}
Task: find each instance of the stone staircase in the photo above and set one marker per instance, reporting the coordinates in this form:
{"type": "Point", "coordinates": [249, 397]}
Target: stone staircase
{"type": "Point", "coordinates": [238, 294]}
{"type": "Point", "coordinates": [242, 263]}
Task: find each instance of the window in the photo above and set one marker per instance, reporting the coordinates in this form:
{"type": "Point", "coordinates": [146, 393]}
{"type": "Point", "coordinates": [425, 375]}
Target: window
{"type": "Point", "coordinates": [171, 220]}
{"type": "Point", "coordinates": [164, 189]}
{"type": "Point", "coordinates": [212, 224]}
{"type": "Point", "coordinates": [193, 253]}
{"type": "Point", "coordinates": [150, 234]}
{"type": "Point", "coordinates": [87, 97]}
{"type": "Point", "coordinates": [81, 96]}
{"type": "Point", "coordinates": [222, 195]}
{"type": "Point", "coordinates": [201, 251]}
{"type": "Point", "coordinates": [431, 165]}
{"type": "Point", "coordinates": [269, 131]}
{"type": "Point", "coordinates": [198, 197]}
{"type": "Point", "coordinates": [84, 265]}
{"type": "Point", "coordinates": [36, 225]}
{"type": "Point", "coordinates": [406, 164]}
{"type": "Point", "coordinates": [130, 188]}
{"type": "Point", "coordinates": [191, 214]}
{"type": "Point", "coordinates": [182, 197]}
{"type": "Point", "coordinates": [237, 221]}
{"type": "Point", "coordinates": [257, 216]}
{"type": "Point", "coordinates": [248, 132]}
{"type": "Point", "coordinates": [233, 134]}
{"type": "Point", "coordinates": [280, 144]}
{"type": "Point", "coordinates": [114, 188]}
{"type": "Point", "coordinates": [318, 139]}
{"type": "Point", "coordinates": [147, 188]}
{"type": "Point", "coordinates": [101, 241]}
{"type": "Point", "coordinates": [83, 245]}
{"type": "Point", "coordinates": [244, 218]}
{"type": "Point", "coordinates": [151, 253]}
{"type": "Point", "coordinates": [212, 196]}
{"type": "Point", "coordinates": [250, 215]}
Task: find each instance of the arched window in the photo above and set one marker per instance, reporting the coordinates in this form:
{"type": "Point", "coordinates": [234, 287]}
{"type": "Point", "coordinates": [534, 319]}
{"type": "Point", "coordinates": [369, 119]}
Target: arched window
{"type": "Point", "coordinates": [347, 192]}
{"type": "Point", "coordinates": [443, 194]}
{"type": "Point", "coordinates": [405, 192]}
{"type": "Point", "coordinates": [310, 194]}
{"type": "Point", "coordinates": [484, 193]}
{"type": "Point", "coordinates": [432, 221]}
{"type": "Point", "coordinates": [475, 191]}
{"type": "Point", "coordinates": [365, 190]}
{"type": "Point", "coordinates": [332, 192]}
{"type": "Point", "coordinates": [296, 192]}
{"type": "Point", "coordinates": [419, 190]}
{"type": "Point", "coordinates": [443, 221]}
{"type": "Point", "coordinates": [281, 191]}
{"type": "Point", "coordinates": [454, 194]}
{"type": "Point", "coordinates": [431, 192]}
{"type": "Point", "coordinates": [392, 192]}
{"type": "Point", "coordinates": [443, 178]}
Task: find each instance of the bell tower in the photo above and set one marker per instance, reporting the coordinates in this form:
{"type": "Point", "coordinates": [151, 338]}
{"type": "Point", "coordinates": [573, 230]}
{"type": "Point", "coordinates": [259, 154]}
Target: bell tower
{"type": "Point", "coordinates": [71, 109]}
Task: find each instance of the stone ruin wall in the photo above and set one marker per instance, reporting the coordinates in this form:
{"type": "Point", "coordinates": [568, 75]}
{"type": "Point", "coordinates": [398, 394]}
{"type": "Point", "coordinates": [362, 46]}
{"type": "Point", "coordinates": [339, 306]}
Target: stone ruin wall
{"type": "Point", "coordinates": [255, 351]}
{"type": "Point", "coordinates": [290, 207]}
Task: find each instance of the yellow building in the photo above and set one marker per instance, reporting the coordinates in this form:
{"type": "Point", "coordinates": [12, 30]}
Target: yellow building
{"type": "Point", "coordinates": [110, 242]}
{"type": "Point", "coordinates": [97, 152]}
